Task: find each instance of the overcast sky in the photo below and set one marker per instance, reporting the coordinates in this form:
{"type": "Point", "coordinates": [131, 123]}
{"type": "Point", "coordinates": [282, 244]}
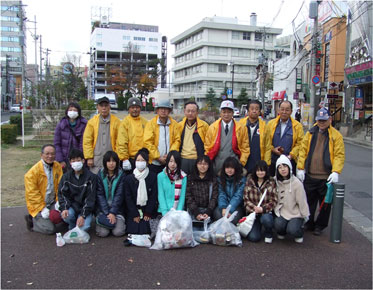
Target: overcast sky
{"type": "Point", "coordinates": [65, 25]}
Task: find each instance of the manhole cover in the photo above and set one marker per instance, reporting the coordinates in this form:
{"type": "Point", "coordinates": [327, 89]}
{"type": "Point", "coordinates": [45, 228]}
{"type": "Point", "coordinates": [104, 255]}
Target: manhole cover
{"type": "Point", "coordinates": [360, 194]}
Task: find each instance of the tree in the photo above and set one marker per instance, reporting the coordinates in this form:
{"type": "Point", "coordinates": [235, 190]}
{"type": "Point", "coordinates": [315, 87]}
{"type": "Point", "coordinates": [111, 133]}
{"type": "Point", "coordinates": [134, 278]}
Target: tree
{"type": "Point", "coordinates": [211, 99]}
{"type": "Point", "coordinates": [242, 98]}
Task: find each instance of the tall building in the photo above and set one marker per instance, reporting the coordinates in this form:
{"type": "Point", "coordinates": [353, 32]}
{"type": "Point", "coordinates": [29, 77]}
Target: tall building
{"type": "Point", "coordinates": [217, 52]}
{"type": "Point", "coordinates": [12, 38]}
{"type": "Point", "coordinates": [116, 44]}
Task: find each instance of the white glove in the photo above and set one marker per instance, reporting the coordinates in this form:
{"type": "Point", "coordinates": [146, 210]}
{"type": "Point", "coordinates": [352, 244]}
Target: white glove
{"type": "Point", "coordinates": [333, 178]}
{"type": "Point", "coordinates": [300, 174]}
{"type": "Point", "coordinates": [127, 165]}
{"type": "Point", "coordinates": [57, 206]}
{"type": "Point", "coordinates": [45, 213]}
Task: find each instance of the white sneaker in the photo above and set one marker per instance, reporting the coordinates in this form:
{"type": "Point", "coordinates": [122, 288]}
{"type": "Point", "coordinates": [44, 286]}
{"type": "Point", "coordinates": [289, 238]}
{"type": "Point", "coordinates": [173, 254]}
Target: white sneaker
{"type": "Point", "coordinates": [280, 237]}
{"type": "Point", "coordinates": [268, 240]}
{"type": "Point", "coordinates": [298, 240]}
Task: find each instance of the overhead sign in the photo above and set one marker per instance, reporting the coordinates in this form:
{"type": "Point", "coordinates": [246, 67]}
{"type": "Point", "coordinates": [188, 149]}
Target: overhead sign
{"type": "Point", "coordinates": [229, 91]}
{"type": "Point", "coordinates": [316, 79]}
{"type": "Point", "coordinates": [332, 86]}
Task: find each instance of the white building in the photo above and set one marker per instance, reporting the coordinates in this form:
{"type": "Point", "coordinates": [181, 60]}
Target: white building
{"type": "Point", "coordinates": [216, 53]}
{"type": "Point", "coordinates": [113, 43]}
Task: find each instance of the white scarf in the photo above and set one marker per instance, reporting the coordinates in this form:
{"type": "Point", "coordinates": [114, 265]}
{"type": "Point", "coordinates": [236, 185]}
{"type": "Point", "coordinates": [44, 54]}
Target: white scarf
{"type": "Point", "coordinates": [142, 194]}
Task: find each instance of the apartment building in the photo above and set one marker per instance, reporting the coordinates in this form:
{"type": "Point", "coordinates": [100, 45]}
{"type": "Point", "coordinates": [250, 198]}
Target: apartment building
{"type": "Point", "coordinates": [219, 52]}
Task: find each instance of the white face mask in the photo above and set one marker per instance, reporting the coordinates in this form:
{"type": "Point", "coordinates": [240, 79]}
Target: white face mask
{"type": "Point", "coordinates": [140, 165]}
{"type": "Point", "coordinates": [72, 114]}
{"type": "Point", "coordinates": [77, 166]}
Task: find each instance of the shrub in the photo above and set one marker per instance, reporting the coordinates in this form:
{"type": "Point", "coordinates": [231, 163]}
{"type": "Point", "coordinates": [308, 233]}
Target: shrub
{"type": "Point", "coordinates": [87, 104]}
{"type": "Point", "coordinates": [17, 120]}
{"type": "Point", "coordinates": [9, 133]}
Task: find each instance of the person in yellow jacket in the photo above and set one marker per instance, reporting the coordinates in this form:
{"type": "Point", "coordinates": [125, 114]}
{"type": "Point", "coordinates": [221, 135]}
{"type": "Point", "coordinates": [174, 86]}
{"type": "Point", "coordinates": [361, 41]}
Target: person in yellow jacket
{"type": "Point", "coordinates": [192, 132]}
{"type": "Point", "coordinates": [41, 187]}
{"type": "Point", "coordinates": [283, 136]}
{"type": "Point", "coordinates": [131, 134]}
{"type": "Point", "coordinates": [255, 128]}
{"type": "Point", "coordinates": [100, 135]}
{"type": "Point", "coordinates": [225, 138]}
{"type": "Point", "coordinates": [161, 136]}
{"type": "Point", "coordinates": [321, 160]}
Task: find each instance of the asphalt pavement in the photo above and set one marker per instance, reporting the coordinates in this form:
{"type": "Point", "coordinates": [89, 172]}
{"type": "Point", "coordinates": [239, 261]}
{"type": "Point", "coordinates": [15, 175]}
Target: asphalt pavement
{"type": "Point", "coordinates": [31, 260]}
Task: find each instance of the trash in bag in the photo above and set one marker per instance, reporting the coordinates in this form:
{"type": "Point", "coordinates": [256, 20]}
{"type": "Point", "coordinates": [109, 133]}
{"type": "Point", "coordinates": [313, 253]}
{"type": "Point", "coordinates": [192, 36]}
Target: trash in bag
{"type": "Point", "coordinates": [140, 240]}
{"type": "Point", "coordinates": [225, 233]}
{"type": "Point", "coordinates": [203, 236]}
{"type": "Point", "coordinates": [59, 240]}
{"type": "Point", "coordinates": [76, 236]}
{"type": "Point", "coordinates": [174, 231]}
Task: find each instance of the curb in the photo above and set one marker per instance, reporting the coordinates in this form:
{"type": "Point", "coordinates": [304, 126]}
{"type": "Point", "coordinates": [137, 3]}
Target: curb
{"type": "Point", "coordinates": [358, 221]}
{"type": "Point", "coordinates": [366, 144]}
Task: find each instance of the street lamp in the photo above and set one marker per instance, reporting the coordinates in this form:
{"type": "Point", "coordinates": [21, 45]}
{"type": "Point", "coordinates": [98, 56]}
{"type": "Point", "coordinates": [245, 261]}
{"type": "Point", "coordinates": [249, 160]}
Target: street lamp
{"type": "Point", "coordinates": [232, 71]}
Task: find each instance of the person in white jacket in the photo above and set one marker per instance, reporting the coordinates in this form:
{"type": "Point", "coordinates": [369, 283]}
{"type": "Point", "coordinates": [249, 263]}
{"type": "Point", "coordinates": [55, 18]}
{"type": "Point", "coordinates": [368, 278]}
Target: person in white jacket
{"type": "Point", "coordinates": [292, 209]}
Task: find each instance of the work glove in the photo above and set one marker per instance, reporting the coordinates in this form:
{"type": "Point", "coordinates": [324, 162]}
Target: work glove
{"type": "Point", "coordinates": [300, 174]}
{"type": "Point", "coordinates": [127, 165]}
{"type": "Point", "coordinates": [57, 206]}
{"type": "Point", "coordinates": [333, 178]}
{"type": "Point", "coordinates": [45, 213]}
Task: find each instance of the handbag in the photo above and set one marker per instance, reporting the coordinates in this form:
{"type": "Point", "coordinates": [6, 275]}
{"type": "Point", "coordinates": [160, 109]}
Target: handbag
{"type": "Point", "coordinates": [246, 223]}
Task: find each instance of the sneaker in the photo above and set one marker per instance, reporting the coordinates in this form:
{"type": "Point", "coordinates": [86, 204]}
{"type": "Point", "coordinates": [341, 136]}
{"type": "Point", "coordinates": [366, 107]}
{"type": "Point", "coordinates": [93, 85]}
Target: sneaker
{"type": "Point", "coordinates": [317, 231]}
{"type": "Point", "coordinates": [299, 240]}
{"type": "Point", "coordinates": [280, 237]}
{"type": "Point", "coordinates": [268, 240]}
{"type": "Point", "coordinates": [29, 223]}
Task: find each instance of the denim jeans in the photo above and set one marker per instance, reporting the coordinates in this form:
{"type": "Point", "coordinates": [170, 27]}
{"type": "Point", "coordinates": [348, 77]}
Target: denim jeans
{"type": "Point", "coordinates": [265, 220]}
{"type": "Point", "coordinates": [293, 227]}
{"type": "Point", "coordinates": [72, 218]}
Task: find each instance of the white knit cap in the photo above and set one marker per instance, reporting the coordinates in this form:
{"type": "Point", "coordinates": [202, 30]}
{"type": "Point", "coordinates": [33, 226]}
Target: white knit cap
{"type": "Point", "coordinates": [284, 160]}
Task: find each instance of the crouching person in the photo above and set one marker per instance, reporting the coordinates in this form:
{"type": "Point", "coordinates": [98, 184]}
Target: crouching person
{"type": "Point", "coordinates": [77, 193]}
{"type": "Point", "coordinates": [110, 197]}
{"type": "Point", "coordinates": [41, 184]}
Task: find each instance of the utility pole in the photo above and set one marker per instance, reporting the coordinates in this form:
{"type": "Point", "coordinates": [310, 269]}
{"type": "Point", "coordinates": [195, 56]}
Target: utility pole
{"type": "Point", "coordinates": [313, 14]}
{"type": "Point", "coordinates": [23, 89]}
{"type": "Point", "coordinates": [36, 58]}
{"type": "Point", "coordinates": [262, 68]}
{"type": "Point", "coordinates": [349, 117]}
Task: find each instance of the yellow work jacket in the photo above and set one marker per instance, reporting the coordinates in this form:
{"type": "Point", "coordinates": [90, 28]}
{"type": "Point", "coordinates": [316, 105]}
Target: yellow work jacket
{"type": "Point", "coordinates": [36, 182]}
{"type": "Point", "coordinates": [241, 135]}
{"type": "Point", "coordinates": [202, 128]}
{"type": "Point", "coordinates": [262, 127]}
{"type": "Point", "coordinates": [336, 150]}
{"type": "Point", "coordinates": [297, 138]}
{"type": "Point", "coordinates": [130, 136]}
{"type": "Point", "coordinates": [91, 133]}
{"type": "Point", "coordinates": [151, 137]}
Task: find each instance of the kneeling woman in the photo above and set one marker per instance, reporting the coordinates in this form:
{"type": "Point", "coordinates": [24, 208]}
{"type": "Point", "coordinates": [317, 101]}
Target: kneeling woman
{"type": "Point", "coordinates": [257, 183]}
{"type": "Point", "coordinates": [110, 197]}
{"type": "Point", "coordinates": [140, 189]}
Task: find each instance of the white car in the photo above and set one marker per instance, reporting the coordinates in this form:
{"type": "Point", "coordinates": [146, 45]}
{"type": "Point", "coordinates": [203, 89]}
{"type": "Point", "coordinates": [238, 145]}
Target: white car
{"type": "Point", "coordinates": [15, 108]}
{"type": "Point", "coordinates": [236, 113]}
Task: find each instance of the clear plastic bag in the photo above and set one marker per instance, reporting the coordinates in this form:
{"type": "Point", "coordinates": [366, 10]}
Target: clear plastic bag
{"type": "Point", "coordinates": [203, 236]}
{"type": "Point", "coordinates": [140, 240]}
{"type": "Point", "coordinates": [174, 231]}
{"type": "Point", "coordinates": [76, 236]}
{"type": "Point", "coordinates": [224, 233]}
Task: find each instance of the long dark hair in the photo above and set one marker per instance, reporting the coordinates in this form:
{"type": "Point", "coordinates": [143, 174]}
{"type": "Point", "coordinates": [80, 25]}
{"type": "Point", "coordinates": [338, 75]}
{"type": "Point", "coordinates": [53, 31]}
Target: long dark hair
{"type": "Point", "coordinates": [144, 154]}
{"type": "Point", "coordinates": [279, 176]}
{"type": "Point", "coordinates": [177, 158]}
{"type": "Point", "coordinates": [261, 165]}
{"type": "Point", "coordinates": [107, 157]}
{"type": "Point", "coordinates": [210, 172]}
{"type": "Point", "coordinates": [231, 162]}
{"type": "Point", "coordinates": [76, 106]}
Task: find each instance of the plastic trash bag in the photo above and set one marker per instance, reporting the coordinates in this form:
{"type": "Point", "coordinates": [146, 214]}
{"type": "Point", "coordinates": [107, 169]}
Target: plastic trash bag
{"type": "Point", "coordinates": [140, 240]}
{"type": "Point", "coordinates": [174, 231]}
{"type": "Point", "coordinates": [203, 236]}
{"type": "Point", "coordinates": [224, 233]}
{"type": "Point", "coordinates": [76, 236]}
{"type": "Point", "coordinates": [59, 240]}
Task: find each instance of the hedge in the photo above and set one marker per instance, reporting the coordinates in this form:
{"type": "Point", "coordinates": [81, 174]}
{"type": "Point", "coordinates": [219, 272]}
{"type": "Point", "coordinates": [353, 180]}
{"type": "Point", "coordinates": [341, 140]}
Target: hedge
{"type": "Point", "coordinates": [9, 133]}
{"type": "Point", "coordinates": [17, 120]}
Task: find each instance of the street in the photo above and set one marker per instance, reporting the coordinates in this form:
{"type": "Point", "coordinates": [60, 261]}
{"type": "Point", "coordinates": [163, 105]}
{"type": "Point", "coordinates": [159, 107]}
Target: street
{"type": "Point", "coordinates": [5, 116]}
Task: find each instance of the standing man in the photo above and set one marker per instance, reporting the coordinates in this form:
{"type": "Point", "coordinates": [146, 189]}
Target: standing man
{"type": "Point", "coordinates": [192, 141]}
{"type": "Point", "coordinates": [321, 160]}
{"type": "Point", "coordinates": [283, 136]}
{"type": "Point", "coordinates": [161, 136]}
{"type": "Point", "coordinates": [131, 134]}
{"type": "Point", "coordinates": [255, 128]}
{"type": "Point", "coordinates": [225, 138]}
{"type": "Point", "coordinates": [41, 186]}
{"type": "Point", "coordinates": [100, 135]}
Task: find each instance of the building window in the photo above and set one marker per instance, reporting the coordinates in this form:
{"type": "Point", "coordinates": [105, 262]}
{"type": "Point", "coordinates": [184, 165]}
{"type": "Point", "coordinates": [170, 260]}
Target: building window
{"type": "Point", "coordinates": [222, 68]}
{"type": "Point", "coordinates": [240, 52]}
{"type": "Point", "coordinates": [98, 44]}
{"type": "Point", "coordinates": [139, 38]}
{"type": "Point", "coordinates": [246, 35]}
{"type": "Point", "coordinates": [152, 39]}
{"type": "Point", "coordinates": [10, 49]}
{"type": "Point", "coordinates": [10, 38]}
{"type": "Point", "coordinates": [236, 35]}
{"type": "Point", "coordinates": [9, 18]}
{"type": "Point", "coordinates": [258, 36]}
{"type": "Point", "coordinates": [222, 51]}
{"type": "Point", "coordinates": [10, 8]}
{"type": "Point", "coordinates": [7, 28]}
{"type": "Point", "coordinates": [126, 37]}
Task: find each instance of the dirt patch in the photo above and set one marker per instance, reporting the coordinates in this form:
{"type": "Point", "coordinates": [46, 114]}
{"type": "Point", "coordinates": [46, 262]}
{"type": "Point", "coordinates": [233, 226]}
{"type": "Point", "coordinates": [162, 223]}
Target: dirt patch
{"type": "Point", "coordinates": [15, 162]}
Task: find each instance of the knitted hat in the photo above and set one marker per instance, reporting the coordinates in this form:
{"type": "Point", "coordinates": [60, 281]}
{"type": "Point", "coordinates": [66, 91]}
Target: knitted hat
{"type": "Point", "coordinates": [133, 102]}
{"type": "Point", "coordinates": [55, 216]}
{"type": "Point", "coordinates": [284, 160]}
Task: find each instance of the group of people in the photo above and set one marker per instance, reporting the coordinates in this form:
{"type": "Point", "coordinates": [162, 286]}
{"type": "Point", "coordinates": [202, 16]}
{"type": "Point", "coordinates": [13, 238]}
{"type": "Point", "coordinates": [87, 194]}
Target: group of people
{"type": "Point", "coordinates": [127, 174]}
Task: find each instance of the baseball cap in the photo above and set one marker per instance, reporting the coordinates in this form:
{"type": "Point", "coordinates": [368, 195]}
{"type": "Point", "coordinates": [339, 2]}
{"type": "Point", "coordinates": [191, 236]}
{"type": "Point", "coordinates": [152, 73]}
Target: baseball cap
{"type": "Point", "coordinates": [133, 102]}
{"type": "Point", "coordinates": [322, 114]}
{"type": "Point", "coordinates": [227, 104]}
{"type": "Point", "coordinates": [103, 99]}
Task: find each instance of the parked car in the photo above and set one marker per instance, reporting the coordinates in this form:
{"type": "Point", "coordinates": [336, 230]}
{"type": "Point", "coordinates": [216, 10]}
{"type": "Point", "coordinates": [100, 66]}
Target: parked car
{"type": "Point", "coordinates": [236, 113]}
{"type": "Point", "coordinates": [15, 108]}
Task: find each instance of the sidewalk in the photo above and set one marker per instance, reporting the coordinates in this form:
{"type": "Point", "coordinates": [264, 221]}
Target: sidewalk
{"type": "Point", "coordinates": [32, 260]}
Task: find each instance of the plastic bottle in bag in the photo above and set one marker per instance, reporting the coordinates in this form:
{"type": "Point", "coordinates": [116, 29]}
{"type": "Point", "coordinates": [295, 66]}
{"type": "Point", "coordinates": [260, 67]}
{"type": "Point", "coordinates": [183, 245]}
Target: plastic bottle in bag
{"type": "Point", "coordinates": [59, 240]}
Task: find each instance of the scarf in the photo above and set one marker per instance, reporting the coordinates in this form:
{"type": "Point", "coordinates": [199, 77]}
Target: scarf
{"type": "Point", "coordinates": [178, 180]}
{"type": "Point", "coordinates": [142, 194]}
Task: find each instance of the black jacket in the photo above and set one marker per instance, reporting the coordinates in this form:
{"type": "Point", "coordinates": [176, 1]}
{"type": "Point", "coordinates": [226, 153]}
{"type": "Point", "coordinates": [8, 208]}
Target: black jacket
{"type": "Point", "coordinates": [80, 194]}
